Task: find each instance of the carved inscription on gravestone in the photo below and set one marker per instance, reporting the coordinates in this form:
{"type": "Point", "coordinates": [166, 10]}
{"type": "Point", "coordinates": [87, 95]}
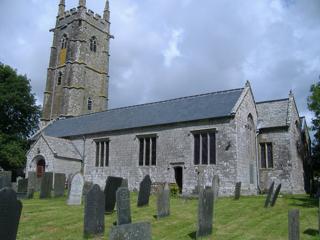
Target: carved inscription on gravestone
{"type": "Point", "coordinates": [94, 212]}
{"type": "Point", "coordinates": [10, 212]}
{"type": "Point", "coordinates": [123, 206]}
{"type": "Point", "coordinates": [75, 195]}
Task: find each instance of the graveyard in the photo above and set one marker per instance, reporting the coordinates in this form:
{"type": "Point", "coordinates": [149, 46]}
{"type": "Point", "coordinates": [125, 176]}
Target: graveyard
{"type": "Point", "coordinates": [241, 219]}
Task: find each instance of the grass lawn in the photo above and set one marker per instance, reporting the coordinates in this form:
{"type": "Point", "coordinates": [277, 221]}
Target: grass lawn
{"type": "Point", "coordinates": [244, 219]}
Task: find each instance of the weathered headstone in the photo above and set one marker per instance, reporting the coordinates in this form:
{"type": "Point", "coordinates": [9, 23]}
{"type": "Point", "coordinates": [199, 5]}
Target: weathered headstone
{"type": "Point", "coordinates": [123, 206]}
{"type": "Point", "coordinates": [75, 195]}
{"type": "Point", "coordinates": [275, 195]}
{"type": "Point", "coordinates": [94, 212]}
{"type": "Point", "coordinates": [294, 224]}
{"type": "Point", "coordinates": [32, 181]}
{"type": "Point", "coordinates": [22, 185]}
{"type": "Point", "coordinates": [5, 179]}
{"type": "Point", "coordinates": [163, 201]}
{"type": "Point", "coordinates": [124, 183]}
{"type": "Point", "coordinates": [30, 193]}
{"type": "Point", "coordinates": [237, 191]}
{"type": "Point", "coordinates": [59, 184]}
{"type": "Point", "coordinates": [205, 212]}
{"type": "Point", "coordinates": [46, 185]}
{"type": "Point", "coordinates": [215, 186]}
{"type": "Point", "coordinates": [10, 212]}
{"type": "Point", "coordinates": [268, 198]}
{"type": "Point", "coordinates": [144, 191]}
{"type": "Point", "coordinates": [136, 231]}
{"type": "Point", "coordinates": [112, 185]}
{"type": "Point", "coordinates": [86, 187]}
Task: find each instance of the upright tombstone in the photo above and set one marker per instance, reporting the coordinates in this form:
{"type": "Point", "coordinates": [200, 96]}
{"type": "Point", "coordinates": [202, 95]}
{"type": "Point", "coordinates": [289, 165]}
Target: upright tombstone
{"type": "Point", "coordinates": [22, 185]}
{"type": "Point", "coordinates": [75, 195]}
{"type": "Point", "coordinates": [144, 191]}
{"type": "Point", "coordinates": [275, 195]}
{"type": "Point", "coordinates": [5, 179]}
{"type": "Point", "coordinates": [135, 231]}
{"type": "Point", "coordinates": [10, 212]}
{"type": "Point", "coordinates": [163, 201]}
{"type": "Point", "coordinates": [94, 212]}
{"type": "Point", "coordinates": [112, 185]}
{"type": "Point", "coordinates": [215, 186]}
{"type": "Point", "coordinates": [123, 206]}
{"type": "Point", "coordinates": [205, 212]}
{"type": "Point", "coordinates": [59, 184]}
{"type": "Point", "coordinates": [32, 181]}
{"type": "Point", "coordinates": [237, 191]}
{"type": "Point", "coordinates": [46, 185]}
{"type": "Point", "coordinates": [268, 198]}
{"type": "Point", "coordinates": [294, 224]}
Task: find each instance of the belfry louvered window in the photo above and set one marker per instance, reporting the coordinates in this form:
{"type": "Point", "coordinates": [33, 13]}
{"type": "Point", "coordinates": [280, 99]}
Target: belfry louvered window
{"type": "Point", "coordinates": [102, 153]}
{"type": "Point", "coordinates": [147, 150]}
{"type": "Point", "coordinates": [93, 44]}
{"type": "Point", "coordinates": [204, 147]}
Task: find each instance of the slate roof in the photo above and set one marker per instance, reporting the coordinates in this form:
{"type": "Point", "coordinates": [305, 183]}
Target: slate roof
{"type": "Point", "coordinates": [273, 113]}
{"type": "Point", "coordinates": [62, 147]}
{"type": "Point", "coordinates": [204, 106]}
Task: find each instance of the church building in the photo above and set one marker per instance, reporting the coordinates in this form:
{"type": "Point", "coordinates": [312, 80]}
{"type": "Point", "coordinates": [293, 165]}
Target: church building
{"type": "Point", "coordinates": [184, 140]}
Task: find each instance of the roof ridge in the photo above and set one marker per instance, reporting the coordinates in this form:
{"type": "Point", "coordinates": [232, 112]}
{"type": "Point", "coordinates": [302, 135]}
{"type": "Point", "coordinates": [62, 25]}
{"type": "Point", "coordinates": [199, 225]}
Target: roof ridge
{"type": "Point", "coordinates": [158, 102]}
{"type": "Point", "coordinates": [275, 100]}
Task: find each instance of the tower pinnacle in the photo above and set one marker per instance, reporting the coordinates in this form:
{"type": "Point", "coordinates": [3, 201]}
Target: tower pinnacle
{"type": "Point", "coordinates": [82, 3]}
{"type": "Point", "coordinates": [106, 13]}
{"type": "Point", "coordinates": [62, 6]}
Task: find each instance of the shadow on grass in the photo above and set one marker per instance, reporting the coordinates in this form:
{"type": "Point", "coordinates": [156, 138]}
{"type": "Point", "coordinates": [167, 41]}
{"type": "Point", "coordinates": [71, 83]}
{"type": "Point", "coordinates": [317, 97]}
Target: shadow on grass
{"type": "Point", "coordinates": [305, 202]}
{"type": "Point", "coordinates": [193, 235]}
{"type": "Point", "coordinates": [311, 232]}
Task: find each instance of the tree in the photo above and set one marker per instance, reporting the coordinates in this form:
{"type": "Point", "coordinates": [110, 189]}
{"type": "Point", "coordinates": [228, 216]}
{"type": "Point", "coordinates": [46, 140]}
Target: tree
{"type": "Point", "coordinates": [19, 116]}
{"type": "Point", "coordinates": [314, 106]}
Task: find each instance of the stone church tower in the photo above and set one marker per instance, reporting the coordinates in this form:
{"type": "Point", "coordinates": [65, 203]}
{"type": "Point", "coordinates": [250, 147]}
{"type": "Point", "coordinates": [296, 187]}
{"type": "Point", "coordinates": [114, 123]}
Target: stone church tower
{"type": "Point", "coordinates": [77, 80]}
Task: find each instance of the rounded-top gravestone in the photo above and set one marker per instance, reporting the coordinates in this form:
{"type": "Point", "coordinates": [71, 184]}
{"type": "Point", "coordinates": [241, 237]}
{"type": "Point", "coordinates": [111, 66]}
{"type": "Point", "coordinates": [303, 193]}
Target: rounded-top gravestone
{"type": "Point", "coordinates": [75, 194]}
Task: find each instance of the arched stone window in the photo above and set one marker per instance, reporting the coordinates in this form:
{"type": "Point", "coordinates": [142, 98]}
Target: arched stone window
{"type": "Point", "coordinates": [93, 44]}
{"type": "Point", "coordinates": [90, 103]}
{"type": "Point", "coordinates": [59, 81]}
{"type": "Point", "coordinates": [64, 41]}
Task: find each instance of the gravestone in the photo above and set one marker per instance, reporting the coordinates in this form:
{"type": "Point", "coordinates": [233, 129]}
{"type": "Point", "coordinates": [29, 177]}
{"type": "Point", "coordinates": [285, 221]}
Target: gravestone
{"type": "Point", "coordinates": [237, 191]}
{"type": "Point", "coordinates": [10, 212]}
{"type": "Point", "coordinates": [59, 184]}
{"type": "Point", "coordinates": [163, 201]}
{"type": "Point", "coordinates": [94, 212]}
{"type": "Point", "coordinates": [22, 185]}
{"type": "Point", "coordinates": [135, 231]}
{"type": "Point", "coordinates": [268, 198]}
{"type": "Point", "coordinates": [86, 187]}
{"type": "Point", "coordinates": [75, 195]}
{"type": "Point", "coordinates": [124, 183]}
{"type": "Point", "coordinates": [294, 224]}
{"type": "Point", "coordinates": [205, 212]}
{"type": "Point", "coordinates": [5, 179]}
{"type": "Point", "coordinates": [215, 186]}
{"type": "Point", "coordinates": [123, 206]}
{"type": "Point", "coordinates": [275, 195]}
{"type": "Point", "coordinates": [69, 182]}
{"type": "Point", "coordinates": [112, 185]}
{"type": "Point", "coordinates": [144, 191]}
{"type": "Point", "coordinates": [32, 181]}
{"type": "Point", "coordinates": [30, 193]}
{"type": "Point", "coordinates": [46, 185]}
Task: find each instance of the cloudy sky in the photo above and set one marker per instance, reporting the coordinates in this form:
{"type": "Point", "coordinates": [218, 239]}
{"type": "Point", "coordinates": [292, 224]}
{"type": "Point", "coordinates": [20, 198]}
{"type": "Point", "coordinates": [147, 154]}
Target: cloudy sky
{"type": "Point", "coordinates": [172, 48]}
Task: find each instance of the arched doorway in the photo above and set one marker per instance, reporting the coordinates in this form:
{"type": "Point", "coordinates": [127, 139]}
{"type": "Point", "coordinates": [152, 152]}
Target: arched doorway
{"type": "Point", "coordinates": [178, 174]}
{"type": "Point", "coordinates": [41, 167]}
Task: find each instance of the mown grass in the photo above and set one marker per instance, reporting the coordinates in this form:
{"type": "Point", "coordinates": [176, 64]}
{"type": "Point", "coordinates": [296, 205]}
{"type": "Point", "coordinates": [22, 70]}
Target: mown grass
{"type": "Point", "coordinates": [245, 219]}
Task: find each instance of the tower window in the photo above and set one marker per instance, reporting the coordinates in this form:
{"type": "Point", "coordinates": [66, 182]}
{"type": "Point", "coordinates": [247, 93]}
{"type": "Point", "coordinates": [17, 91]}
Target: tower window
{"type": "Point", "coordinates": [93, 44]}
{"type": "Point", "coordinates": [64, 41]}
{"type": "Point", "coordinates": [59, 78]}
{"type": "Point", "coordinates": [90, 102]}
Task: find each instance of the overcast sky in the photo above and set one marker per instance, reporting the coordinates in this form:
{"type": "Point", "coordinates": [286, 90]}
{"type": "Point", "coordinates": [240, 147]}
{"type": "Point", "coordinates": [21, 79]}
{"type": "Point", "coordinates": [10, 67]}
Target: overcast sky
{"type": "Point", "coordinates": [173, 48]}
